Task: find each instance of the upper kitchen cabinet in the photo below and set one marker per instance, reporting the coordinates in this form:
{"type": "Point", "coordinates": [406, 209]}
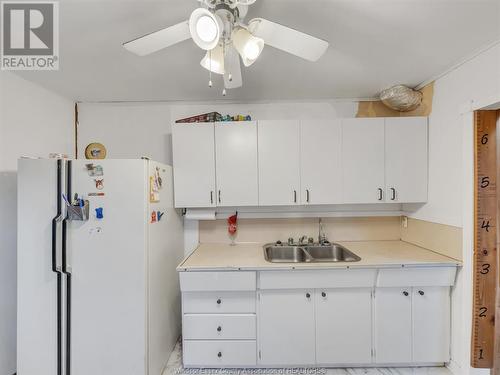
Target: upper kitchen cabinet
{"type": "Point", "coordinates": [406, 159]}
{"type": "Point", "coordinates": [363, 160]}
{"type": "Point", "coordinates": [309, 162]}
{"type": "Point", "coordinates": [279, 163]}
{"type": "Point", "coordinates": [236, 160]}
{"type": "Point", "coordinates": [193, 147]}
{"type": "Point", "coordinates": [320, 161]}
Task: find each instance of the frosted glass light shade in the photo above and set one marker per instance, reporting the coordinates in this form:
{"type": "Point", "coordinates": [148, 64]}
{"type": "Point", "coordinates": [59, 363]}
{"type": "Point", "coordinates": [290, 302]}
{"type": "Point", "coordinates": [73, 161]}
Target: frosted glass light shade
{"type": "Point", "coordinates": [214, 60]}
{"type": "Point", "coordinates": [205, 28]}
{"type": "Point", "coordinates": [248, 46]}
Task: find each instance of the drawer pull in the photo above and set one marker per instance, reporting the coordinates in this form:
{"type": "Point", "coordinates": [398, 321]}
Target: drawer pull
{"type": "Point", "coordinates": [421, 292]}
{"type": "Point", "coordinates": [219, 301]}
{"type": "Point", "coordinates": [219, 354]}
{"type": "Point", "coordinates": [323, 294]}
{"type": "Point", "coordinates": [219, 328]}
{"type": "Point", "coordinates": [405, 293]}
{"type": "Point", "coordinates": [308, 295]}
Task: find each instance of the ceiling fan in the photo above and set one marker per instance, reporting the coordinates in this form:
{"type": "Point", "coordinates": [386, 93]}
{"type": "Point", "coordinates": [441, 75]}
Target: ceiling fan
{"type": "Point", "coordinates": [218, 27]}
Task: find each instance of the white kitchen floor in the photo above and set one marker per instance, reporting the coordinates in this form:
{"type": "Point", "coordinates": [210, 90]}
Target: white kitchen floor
{"type": "Point", "coordinates": [174, 367]}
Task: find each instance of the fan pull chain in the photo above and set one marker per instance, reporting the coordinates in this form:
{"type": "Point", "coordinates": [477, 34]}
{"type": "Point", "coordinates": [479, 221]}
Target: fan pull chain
{"type": "Point", "coordinates": [210, 68]}
{"type": "Point", "coordinates": [224, 57]}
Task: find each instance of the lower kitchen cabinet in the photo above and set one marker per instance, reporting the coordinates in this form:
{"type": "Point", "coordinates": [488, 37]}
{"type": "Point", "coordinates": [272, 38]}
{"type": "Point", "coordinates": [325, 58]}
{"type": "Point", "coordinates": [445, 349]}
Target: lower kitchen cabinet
{"type": "Point", "coordinates": [431, 324]}
{"type": "Point", "coordinates": [344, 326]}
{"type": "Point", "coordinates": [287, 331]}
{"type": "Point", "coordinates": [330, 318]}
{"type": "Point", "coordinates": [412, 325]}
{"type": "Point", "coordinates": [393, 329]}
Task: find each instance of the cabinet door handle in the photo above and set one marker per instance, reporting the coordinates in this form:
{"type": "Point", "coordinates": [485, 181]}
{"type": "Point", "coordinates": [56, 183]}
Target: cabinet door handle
{"type": "Point", "coordinates": [380, 194]}
{"type": "Point", "coordinates": [295, 196]}
{"type": "Point", "coordinates": [323, 294]}
{"type": "Point", "coordinates": [219, 301]}
{"type": "Point", "coordinates": [307, 195]}
{"type": "Point", "coordinates": [308, 295]}
{"type": "Point", "coordinates": [211, 197]}
{"type": "Point", "coordinates": [393, 194]}
{"type": "Point", "coordinates": [421, 292]}
{"type": "Point", "coordinates": [220, 201]}
{"type": "Point", "coordinates": [405, 293]}
{"type": "Point", "coordinates": [219, 328]}
{"type": "Point", "coordinates": [219, 354]}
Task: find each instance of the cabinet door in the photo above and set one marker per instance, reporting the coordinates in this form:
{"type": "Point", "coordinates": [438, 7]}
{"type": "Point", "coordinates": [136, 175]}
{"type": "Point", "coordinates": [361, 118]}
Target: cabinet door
{"type": "Point", "coordinates": [320, 161]}
{"type": "Point", "coordinates": [194, 165]}
{"type": "Point", "coordinates": [406, 159]}
{"type": "Point", "coordinates": [236, 162]}
{"type": "Point", "coordinates": [286, 328]}
{"type": "Point", "coordinates": [279, 163]}
{"type": "Point", "coordinates": [393, 325]}
{"type": "Point", "coordinates": [431, 324]}
{"type": "Point", "coordinates": [343, 326]}
{"type": "Point", "coordinates": [363, 160]}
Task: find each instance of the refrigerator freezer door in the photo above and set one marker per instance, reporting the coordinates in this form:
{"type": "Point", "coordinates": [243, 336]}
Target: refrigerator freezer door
{"type": "Point", "coordinates": [107, 258]}
{"type": "Point", "coordinates": [37, 284]}
{"type": "Point", "coordinates": [166, 250]}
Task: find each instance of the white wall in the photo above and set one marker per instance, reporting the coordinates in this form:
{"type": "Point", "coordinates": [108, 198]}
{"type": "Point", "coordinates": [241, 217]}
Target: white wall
{"type": "Point", "coordinates": [473, 82]}
{"type": "Point", "coordinates": [132, 130]}
{"type": "Point", "coordinates": [34, 122]}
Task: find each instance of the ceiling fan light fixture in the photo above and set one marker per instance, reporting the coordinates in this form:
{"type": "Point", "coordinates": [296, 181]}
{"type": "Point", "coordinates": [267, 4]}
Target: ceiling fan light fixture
{"type": "Point", "coordinates": [214, 60]}
{"type": "Point", "coordinates": [248, 46]}
{"type": "Point", "coordinates": [205, 28]}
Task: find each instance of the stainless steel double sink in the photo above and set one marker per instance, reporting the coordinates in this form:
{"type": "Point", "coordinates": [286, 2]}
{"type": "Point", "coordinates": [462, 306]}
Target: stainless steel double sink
{"type": "Point", "coordinates": [329, 252]}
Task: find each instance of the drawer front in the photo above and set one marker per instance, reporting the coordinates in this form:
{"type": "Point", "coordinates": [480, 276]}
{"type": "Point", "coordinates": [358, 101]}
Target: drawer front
{"type": "Point", "coordinates": [316, 279]}
{"type": "Point", "coordinates": [217, 281]}
{"type": "Point", "coordinates": [219, 327]}
{"type": "Point", "coordinates": [416, 276]}
{"type": "Point", "coordinates": [219, 353]}
{"type": "Point", "coordinates": [218, 302]}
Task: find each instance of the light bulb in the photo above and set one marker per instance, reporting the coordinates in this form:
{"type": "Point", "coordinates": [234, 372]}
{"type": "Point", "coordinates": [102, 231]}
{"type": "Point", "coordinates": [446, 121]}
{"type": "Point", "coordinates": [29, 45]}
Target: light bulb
{"type": "Point", "coordinates": [251, 50]}
{"type": "Point", "coordinates": [248, 46]}
{"type": "Point", "coordinates": [224, 92]}
{"type": "Point", "coordinates": [230, 77]}
{"type": "Point", "coordinates": [210, 83]}
{"type": "Point", "coordinates": [206, 29]}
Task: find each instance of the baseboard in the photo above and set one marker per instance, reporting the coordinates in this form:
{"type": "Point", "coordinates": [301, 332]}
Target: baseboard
{"type": "Point", "coordinates": [454, 367]}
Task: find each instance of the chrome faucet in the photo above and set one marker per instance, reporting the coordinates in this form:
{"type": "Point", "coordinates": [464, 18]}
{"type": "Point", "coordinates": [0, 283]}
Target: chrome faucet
{"type": "Point", "coordinates": [321, 233]}
{"type": "Point", "coordinates": [302, 240]}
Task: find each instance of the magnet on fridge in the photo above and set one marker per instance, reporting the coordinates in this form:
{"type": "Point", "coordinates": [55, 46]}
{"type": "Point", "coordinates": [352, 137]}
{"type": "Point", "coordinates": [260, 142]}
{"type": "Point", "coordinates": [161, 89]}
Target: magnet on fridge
{"type": "Point", "coordinates": [98, 213]}
{"type": "Point", "coordinates": [99, 184]}
{"type": "Point", "coordinates": [159, 215]}
{"type": "Point", "coordinates": [94, 170]}
{"type": "Point", "coordinates": [159, 181]}
{"type": "Point", "coordinates": [153, 217]}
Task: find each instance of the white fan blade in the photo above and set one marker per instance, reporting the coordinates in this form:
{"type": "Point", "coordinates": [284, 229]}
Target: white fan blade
{"type": "Point", "coordinates": [289, 40]}
{"type": "Point", "coordinates": [158, 40]}
{"type": "Point", "coordinates": [232, 69]}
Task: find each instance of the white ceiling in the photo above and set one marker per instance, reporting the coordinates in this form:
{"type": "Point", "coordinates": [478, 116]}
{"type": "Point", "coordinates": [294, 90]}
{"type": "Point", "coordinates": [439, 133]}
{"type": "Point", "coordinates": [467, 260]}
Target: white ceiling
{"type": "Point", "coordinates": [373, 44]}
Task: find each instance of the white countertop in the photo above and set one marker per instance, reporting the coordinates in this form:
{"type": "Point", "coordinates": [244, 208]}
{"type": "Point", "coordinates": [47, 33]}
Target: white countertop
{"type": "Point", "coordinates": [250, 256]}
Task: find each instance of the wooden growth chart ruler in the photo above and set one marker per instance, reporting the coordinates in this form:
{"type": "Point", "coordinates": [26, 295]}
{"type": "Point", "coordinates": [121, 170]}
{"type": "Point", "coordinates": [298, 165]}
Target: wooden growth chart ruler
{"type": "Point", "coordinates": [485, 272]}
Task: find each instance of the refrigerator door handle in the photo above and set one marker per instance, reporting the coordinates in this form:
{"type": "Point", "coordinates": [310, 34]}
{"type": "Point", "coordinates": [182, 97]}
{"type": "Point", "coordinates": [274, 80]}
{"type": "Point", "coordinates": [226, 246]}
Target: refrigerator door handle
{"type": "Point", "coordinates": [66, 269]}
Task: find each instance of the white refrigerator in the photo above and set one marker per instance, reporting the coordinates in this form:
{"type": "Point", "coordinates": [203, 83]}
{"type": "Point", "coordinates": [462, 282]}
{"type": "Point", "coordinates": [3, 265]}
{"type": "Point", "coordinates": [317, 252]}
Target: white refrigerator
{"type": "Point", "coordinates": [97, 288]}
